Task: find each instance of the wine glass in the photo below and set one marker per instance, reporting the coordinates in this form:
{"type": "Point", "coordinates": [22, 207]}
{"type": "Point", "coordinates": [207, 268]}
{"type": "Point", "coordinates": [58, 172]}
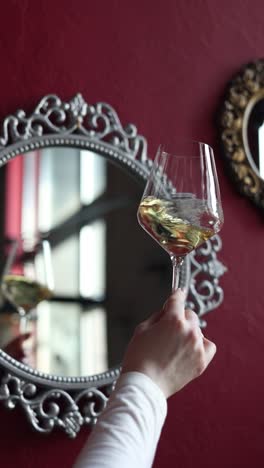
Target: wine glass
{"type": "Point", "coordinates": [181, 205]}
{"type": "Point", "coordinates": [27, 277]}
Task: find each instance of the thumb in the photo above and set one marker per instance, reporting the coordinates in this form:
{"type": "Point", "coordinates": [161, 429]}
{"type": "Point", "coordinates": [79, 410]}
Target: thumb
{"type": "Point", "coordinates": [175, 304]}
{"type": "Point", "coordinates": [154, 318]}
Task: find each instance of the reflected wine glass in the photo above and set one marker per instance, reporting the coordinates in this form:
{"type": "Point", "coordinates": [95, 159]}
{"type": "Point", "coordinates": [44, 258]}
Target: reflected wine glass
{"type": "Point", "coordinates": [27, 277]}
{"type": "Point", "coordinates": [181, 205]}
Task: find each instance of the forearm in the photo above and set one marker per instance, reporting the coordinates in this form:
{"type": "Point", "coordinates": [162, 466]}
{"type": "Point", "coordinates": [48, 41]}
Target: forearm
{"type": "Point", "coordinates": [128, 431]}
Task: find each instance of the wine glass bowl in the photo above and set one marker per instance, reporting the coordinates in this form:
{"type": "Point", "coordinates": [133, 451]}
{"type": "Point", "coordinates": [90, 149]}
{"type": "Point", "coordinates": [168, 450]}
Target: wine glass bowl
{"type": "Point", "coordinates": [181, 205]}
{"type": "Point", "coordinates": [27, 275]}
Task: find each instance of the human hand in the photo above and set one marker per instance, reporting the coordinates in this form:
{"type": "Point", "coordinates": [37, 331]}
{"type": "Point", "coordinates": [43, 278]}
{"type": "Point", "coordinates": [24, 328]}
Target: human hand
{"type": "Point", "coordinates": [15, 347]}
{"type": "Point", "coordinates": [169, 347]}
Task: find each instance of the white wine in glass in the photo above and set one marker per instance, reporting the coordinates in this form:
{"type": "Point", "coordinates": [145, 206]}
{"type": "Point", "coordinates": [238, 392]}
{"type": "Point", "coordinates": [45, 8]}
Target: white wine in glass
{"type": "Point", "coordinates": [24, 284]}
{"type": "Point", "coordinates": [181, 205]}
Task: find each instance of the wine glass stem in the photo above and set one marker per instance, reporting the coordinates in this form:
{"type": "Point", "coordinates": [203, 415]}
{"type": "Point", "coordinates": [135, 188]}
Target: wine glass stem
{"type": "Point", "coordinates": [23, 321]}
{"type": "Point", "coordinates": [176, 267]}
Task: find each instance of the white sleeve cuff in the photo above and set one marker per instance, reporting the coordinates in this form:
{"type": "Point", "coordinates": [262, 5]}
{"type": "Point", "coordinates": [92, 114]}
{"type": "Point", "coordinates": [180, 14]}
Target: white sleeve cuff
{"type": "Point", "coordinates": [147, 385]}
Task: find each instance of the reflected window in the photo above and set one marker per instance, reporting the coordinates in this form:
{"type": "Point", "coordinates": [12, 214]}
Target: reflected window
{"type": "Point", "coordinates": [261, 150]}
{"type": "Point", "coordinates": [58, 186]}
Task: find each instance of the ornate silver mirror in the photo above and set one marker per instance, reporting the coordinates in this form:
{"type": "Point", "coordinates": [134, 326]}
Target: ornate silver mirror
{"type": "Point", "coordinates": [72, 179]}
{"type": "Point", "coordinates": [242, 131]}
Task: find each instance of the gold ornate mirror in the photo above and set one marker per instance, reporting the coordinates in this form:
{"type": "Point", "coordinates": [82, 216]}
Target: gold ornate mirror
{"type": "Point", "coordinates": [242, 131]}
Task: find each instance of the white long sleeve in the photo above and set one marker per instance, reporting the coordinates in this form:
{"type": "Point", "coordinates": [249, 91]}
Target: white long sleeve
{"type": "Point", "coordinates": [127, 433]}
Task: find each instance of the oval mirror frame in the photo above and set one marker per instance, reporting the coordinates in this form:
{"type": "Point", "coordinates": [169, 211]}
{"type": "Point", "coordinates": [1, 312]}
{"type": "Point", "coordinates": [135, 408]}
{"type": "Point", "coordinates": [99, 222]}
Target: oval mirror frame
{"type": "Point", "coordinates": [243, 92]}
{"type": "Point", "coordinates": [49, 401]}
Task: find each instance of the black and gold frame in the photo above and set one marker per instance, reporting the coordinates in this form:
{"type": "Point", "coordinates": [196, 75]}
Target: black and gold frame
{"type": "Point", "coordinates": [241, 125]}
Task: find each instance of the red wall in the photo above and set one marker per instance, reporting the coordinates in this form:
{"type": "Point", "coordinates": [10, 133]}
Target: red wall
{"type": "Point", "coordinates": [163, 65]}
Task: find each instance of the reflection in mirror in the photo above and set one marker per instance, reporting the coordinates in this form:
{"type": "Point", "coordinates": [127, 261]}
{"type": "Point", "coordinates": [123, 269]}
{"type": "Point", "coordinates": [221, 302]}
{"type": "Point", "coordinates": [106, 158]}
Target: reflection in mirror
{"type": "Point", "coordinates": [255, 137]}
{"type": "Point", "coordinates": [106, 274]}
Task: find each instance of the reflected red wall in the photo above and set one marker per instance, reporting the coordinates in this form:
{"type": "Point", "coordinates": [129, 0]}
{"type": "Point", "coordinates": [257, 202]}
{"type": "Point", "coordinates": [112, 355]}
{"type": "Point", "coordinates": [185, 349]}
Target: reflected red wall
{"type": "Point", "coordinates": [164, 66]}
{"type": "Point", "coordinates": [14, 175]}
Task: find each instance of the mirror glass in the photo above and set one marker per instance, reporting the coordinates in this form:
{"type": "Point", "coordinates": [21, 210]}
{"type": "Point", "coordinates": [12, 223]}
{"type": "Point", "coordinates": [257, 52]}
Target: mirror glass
{"type": "Point", "coordinates": [255, 138]}
{"type": "Point", "coordinates": [104, 274]}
